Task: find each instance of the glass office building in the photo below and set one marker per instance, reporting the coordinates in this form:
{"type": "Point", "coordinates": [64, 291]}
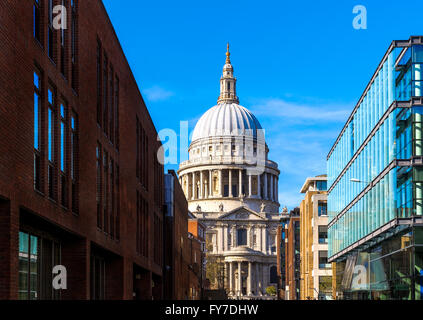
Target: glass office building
{"type": "Point", "coordinates": [375, 184]}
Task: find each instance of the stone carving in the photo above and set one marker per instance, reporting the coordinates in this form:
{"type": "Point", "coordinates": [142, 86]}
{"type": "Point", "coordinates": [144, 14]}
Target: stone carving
{"type": "Point", "coordinates": [241, 198]}
{"type": "Point", "coordinates": [262, 207]}
{"type": "Point", "coordinates": [221, 207]}
{"type": "Point", "coordinates": [198, 208]}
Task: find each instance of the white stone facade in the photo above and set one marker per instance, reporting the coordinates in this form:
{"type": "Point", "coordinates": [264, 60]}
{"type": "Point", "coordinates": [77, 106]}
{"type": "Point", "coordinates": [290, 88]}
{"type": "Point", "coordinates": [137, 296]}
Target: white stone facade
{"type": "Point", "coordinates": [232, 188]}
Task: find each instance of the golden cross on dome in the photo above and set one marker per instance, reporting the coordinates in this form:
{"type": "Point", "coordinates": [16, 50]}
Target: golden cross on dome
{"type": "Point", "coordinates": [228, 54]}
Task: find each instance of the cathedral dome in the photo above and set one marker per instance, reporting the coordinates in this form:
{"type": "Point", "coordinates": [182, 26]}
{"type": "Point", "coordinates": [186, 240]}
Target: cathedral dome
{"type": "Point", "coordinates": [226, 119]}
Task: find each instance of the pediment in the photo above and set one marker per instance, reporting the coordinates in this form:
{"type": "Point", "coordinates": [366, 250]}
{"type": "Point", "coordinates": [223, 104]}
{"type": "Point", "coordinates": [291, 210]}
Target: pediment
{"type": "Point", "coordinates": [242, 213]}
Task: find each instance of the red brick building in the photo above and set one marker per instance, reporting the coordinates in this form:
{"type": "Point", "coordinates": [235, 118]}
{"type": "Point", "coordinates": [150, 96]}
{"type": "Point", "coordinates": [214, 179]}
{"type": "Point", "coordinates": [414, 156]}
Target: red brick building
{"type": "Point", "coordinates": [288, 253]}
{"type": "Point", "coordinates": [196, 267]}
{"type": "Point", "coordinates": [80, 184]}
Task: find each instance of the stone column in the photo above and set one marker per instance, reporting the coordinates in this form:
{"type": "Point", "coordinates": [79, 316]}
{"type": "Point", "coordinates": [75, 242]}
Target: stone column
{"type": "Point", "coordinates": [249, 279]}
{"type": "Point", "coordinates": [240, 184]}
{"type": "Point", "coordinates": [220, 183]}
{"type": "Point", "coordinates": [219, 239]}
{"type": "Point", "coordinates": [210, 184]}
{"type": "Point", "coordinates": [259, 236]}
{"type": "Point", "coordinates": [227, 233]}
{"type": "Point", "coordinates": [252, 237]}
{"type": "Point", "coordinates": [260, 278]}
{"type": "Point", "coordinates": [266, 194]}
{"type": "Point", "coordinates": [277, 189]}
{"type": "Point", "coordinates": [275, 184]}
{"type": "Point", "coordinates": [225, 237]}
{"type": "Point", "coordinates": [258, 186]}
{"type": "Point", "coordinates": [230, 183]}
{"type": "Point", "coordinates": [271, 187]}
{"type": "Point", "coordinates": [239, 279]}
{"type": "Point", "coordinates": [226, 279]}
{"type": "Point", "coordinates": [231, 274]}
{"type": "Point", "coordinates": [201, 185]}
{"type": "Point", "coordinates": [256, 275]}
{"type": "Point", "coordinates": [265, 275]}
{"type": "Point", "coordinates": [264, 241]}
{"type": "Point", "coordinates": [250, 185]}
{"type": "Point", "coordinates": [193, 186]}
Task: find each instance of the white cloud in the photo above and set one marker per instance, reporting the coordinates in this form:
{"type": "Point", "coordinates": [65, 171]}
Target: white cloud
{"type": "Point", "coordinates": [290, 199]}
{"type": "Point", "coordinates": [296, 111]}
{"type": "Point", "coordinates": [299, 136]}
{"type": "Point", "coordinates": [157, 93]}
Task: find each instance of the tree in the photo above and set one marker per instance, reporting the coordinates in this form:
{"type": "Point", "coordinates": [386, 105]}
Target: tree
{"type": "Point", "coordinates": [215, 268]}
{"type": "Point", "coordinates": [271, 291]}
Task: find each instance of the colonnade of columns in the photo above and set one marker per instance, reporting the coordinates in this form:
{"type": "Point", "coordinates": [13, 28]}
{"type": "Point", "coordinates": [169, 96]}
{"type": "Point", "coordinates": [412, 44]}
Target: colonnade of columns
{"type": "Point", "coordinates": [205, 184]}
{"type": "Point", "coordinates": [253, 274]}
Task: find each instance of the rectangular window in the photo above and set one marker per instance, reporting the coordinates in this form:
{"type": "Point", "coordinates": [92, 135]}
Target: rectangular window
{"type": "Point", "coordinates": [106, 192]}
{"type": "Point", "coordinates": [37, 131]}
{"type": "Point", "coordinates": [63, 132]}
{"type": "Point", "coordinates": [322, 208]}
{"type": "Point", "coordinates": [74, 162]}
{"type": "Point", "coordinates": [51, 143]}
{"type": "Point", "coordinates": [323, 260]}
{"type": "Point", "coordinates": [63, 46]}
{"type": "Point", "coordinates": [242, 237]}
{"type": "Point", "coordinates": [142, 226]}
{"type": "Point", "coordinates": [117, 113]}
{"type": "Point", "coordinates": [63, 154]}
{"type": "Point", "coordinates": [74, 43]}
{"type": "Point", "coordinates": [50, 31]}
{"type": "Point", "coordinates": [99, 90]}
{"type": "Point", "coordinates": [323, 234]}
{"type": "Point", "coordinates": [112, 198]}
{"type": "Point", "coordinates": [321, 185]}
{"type": "Point", "coordinates": [111, 107]}
{"type": "Point", "coordinates": [37, 257]}
{"type": "Point", "coordinates": [98, 278]}
{"type": "Point", "coordinates": [158, 240]}
{"type": "Point", "coordinates": [99, 184]}
{"type": "Point", "coordinates": [138, 153]}
{"type": "Point", "coordinates": [105, 93]}
{"type": "Point", "coordinates": [50, 125]}
{"type": "Point", "coordinates": [37, 20]}
{"type": "Point", "coordinates": [138, 232]}
{"type": "Point", "coordinates": [117, 205]}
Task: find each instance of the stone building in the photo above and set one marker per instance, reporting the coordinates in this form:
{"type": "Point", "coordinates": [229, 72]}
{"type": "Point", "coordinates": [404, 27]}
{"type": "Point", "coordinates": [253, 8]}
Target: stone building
{"type": "Point", "coordinates": [232, 187]}
{"type": "Point", "coordinates": [316, 272]}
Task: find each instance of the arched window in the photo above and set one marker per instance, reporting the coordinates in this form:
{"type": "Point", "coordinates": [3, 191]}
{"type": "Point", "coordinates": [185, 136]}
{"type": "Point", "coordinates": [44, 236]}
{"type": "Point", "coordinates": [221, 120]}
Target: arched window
{"type": "Point", "coordinates": [229, 86]}
{"type": "Point", "coordinates": [273, 275]}
{"type": "Point", "coordinates": [242, 237]}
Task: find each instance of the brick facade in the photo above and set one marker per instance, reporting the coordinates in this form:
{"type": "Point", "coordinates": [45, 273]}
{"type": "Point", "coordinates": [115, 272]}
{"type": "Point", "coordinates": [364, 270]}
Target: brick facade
{"type": "Point", "coordinates": [90, 214]}
{"type": "Point", "coordinates": [288, 247]}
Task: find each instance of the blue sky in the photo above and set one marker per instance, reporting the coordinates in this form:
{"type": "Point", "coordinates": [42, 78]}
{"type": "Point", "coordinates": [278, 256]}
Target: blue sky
{"type": "Point", "coordinates": [300, 65]}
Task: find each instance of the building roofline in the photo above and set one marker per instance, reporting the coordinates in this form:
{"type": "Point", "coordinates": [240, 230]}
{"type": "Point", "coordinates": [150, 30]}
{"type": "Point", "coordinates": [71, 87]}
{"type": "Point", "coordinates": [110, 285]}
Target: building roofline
{"type": "Point", "coordinates": [310, 179]}
{"type": "Point", "coordinates": [129, 67]}
{"type": "Point", "coordinates": [394, 44]}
